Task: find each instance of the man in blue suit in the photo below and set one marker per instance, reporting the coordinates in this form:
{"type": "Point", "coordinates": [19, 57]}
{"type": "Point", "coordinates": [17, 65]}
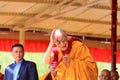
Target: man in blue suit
{"type": "Point", "coordinates": [20, 69]}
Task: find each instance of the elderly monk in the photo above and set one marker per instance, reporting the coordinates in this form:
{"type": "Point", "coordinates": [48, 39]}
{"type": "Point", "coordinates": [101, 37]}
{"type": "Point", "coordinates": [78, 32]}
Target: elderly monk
{"type": "Point", "coordinates": [70, 59]}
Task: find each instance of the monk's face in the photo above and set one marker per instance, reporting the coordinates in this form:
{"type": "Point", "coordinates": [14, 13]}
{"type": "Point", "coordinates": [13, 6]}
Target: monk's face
{"type": "Point", "coordinates": [61, 41]}
{"type": "Point", "coordinates": [105, 75]}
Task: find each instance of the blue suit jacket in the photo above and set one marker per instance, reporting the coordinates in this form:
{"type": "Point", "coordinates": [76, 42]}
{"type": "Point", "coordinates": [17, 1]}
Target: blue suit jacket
{"type": "Point", "coordinates": [27, 71]}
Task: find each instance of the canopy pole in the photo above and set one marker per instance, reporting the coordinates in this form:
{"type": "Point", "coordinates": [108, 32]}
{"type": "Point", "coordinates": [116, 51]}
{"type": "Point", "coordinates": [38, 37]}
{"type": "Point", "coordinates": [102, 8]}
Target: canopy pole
{"type": "Point", "coordinates": [114, 35]}
{"type": "Point", "coordinates": [21, 36]}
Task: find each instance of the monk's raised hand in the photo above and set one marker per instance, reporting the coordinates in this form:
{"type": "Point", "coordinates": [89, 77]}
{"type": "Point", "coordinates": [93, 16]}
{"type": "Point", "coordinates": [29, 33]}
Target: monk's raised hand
{"type": "Point", "coordinates": [52, 37]}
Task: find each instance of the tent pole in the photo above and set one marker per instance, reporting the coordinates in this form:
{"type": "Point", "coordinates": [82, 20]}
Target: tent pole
{"type": "Point", "coordinates": [114, 35]}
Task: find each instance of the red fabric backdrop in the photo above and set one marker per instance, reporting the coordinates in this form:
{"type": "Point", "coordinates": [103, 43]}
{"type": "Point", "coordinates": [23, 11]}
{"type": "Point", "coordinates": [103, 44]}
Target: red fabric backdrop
{"type": "Point", "coordinates": [101, 55]}
{"type": "Point", "coordinates": [30, 45]}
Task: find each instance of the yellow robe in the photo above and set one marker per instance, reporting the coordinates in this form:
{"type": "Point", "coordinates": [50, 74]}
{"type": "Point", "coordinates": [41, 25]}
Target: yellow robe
{"type": "Point", "coordinates": [45, 75]}
{"type": "Point", "coordinates": [82, 65]}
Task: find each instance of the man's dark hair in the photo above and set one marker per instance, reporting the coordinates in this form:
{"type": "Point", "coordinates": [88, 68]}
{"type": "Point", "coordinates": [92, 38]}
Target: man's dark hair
{"type": "Point", "coordinates": [18, 45]}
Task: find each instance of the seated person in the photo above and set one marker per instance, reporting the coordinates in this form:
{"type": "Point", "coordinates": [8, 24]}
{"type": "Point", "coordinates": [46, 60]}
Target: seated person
{"type": "Point", "coordinates": [114, 75]}
{"type": "Point", "coordinates": [105, 75]}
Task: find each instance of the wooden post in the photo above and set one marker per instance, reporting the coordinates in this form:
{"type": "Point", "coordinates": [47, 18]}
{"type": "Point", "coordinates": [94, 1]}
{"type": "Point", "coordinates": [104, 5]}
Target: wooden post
{"type": "Point", "coordinates": [22, 36]}
{"type": "Point", "coordinates": [114, 35]}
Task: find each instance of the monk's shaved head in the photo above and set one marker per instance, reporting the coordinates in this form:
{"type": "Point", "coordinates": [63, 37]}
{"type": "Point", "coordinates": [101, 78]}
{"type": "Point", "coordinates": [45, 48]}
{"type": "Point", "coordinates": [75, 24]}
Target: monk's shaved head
{"type": "Point", "coordinates": [105, 75]}
{"type": "Point", "coordinates": [59, 32]}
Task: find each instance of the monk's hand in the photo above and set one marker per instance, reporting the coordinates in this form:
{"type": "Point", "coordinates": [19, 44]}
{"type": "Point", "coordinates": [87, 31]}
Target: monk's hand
{"type": "Point", "coordinates": [52, 37]}
{"type": "Point", "coordinates": [53, 70]}
{"type": "Point", "coordinates": [66, 59]}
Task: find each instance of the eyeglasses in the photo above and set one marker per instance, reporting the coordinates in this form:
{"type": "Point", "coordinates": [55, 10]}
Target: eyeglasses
{"type": "Point", "coordinates": [58, 42]}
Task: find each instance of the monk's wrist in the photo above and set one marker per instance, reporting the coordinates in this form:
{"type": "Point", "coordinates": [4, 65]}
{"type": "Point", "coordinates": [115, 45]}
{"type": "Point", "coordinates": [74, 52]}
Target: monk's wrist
{"type": "Point", "coordinates": [51, 44]}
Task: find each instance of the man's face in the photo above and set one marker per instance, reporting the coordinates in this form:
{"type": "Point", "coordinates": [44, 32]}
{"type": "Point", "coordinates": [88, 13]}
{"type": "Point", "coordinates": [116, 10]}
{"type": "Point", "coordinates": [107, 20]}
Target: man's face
{"type": "Point", "coordinates": [61, 42]}
{"type": "Point", "coordinates": [17, 53]}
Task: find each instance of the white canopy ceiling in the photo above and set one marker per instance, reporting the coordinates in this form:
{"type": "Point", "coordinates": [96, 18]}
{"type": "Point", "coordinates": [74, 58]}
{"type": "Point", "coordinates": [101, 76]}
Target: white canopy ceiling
{"type": "Point", "coordinates": [90, 18]}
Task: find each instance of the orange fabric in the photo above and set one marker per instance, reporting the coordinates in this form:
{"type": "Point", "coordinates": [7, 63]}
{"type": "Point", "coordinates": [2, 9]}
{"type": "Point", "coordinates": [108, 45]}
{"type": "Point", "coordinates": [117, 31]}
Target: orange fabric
{"type": "Point", "coordinates": [44, 77]}
{"type": "Point", "coordinates": [82, 65]}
